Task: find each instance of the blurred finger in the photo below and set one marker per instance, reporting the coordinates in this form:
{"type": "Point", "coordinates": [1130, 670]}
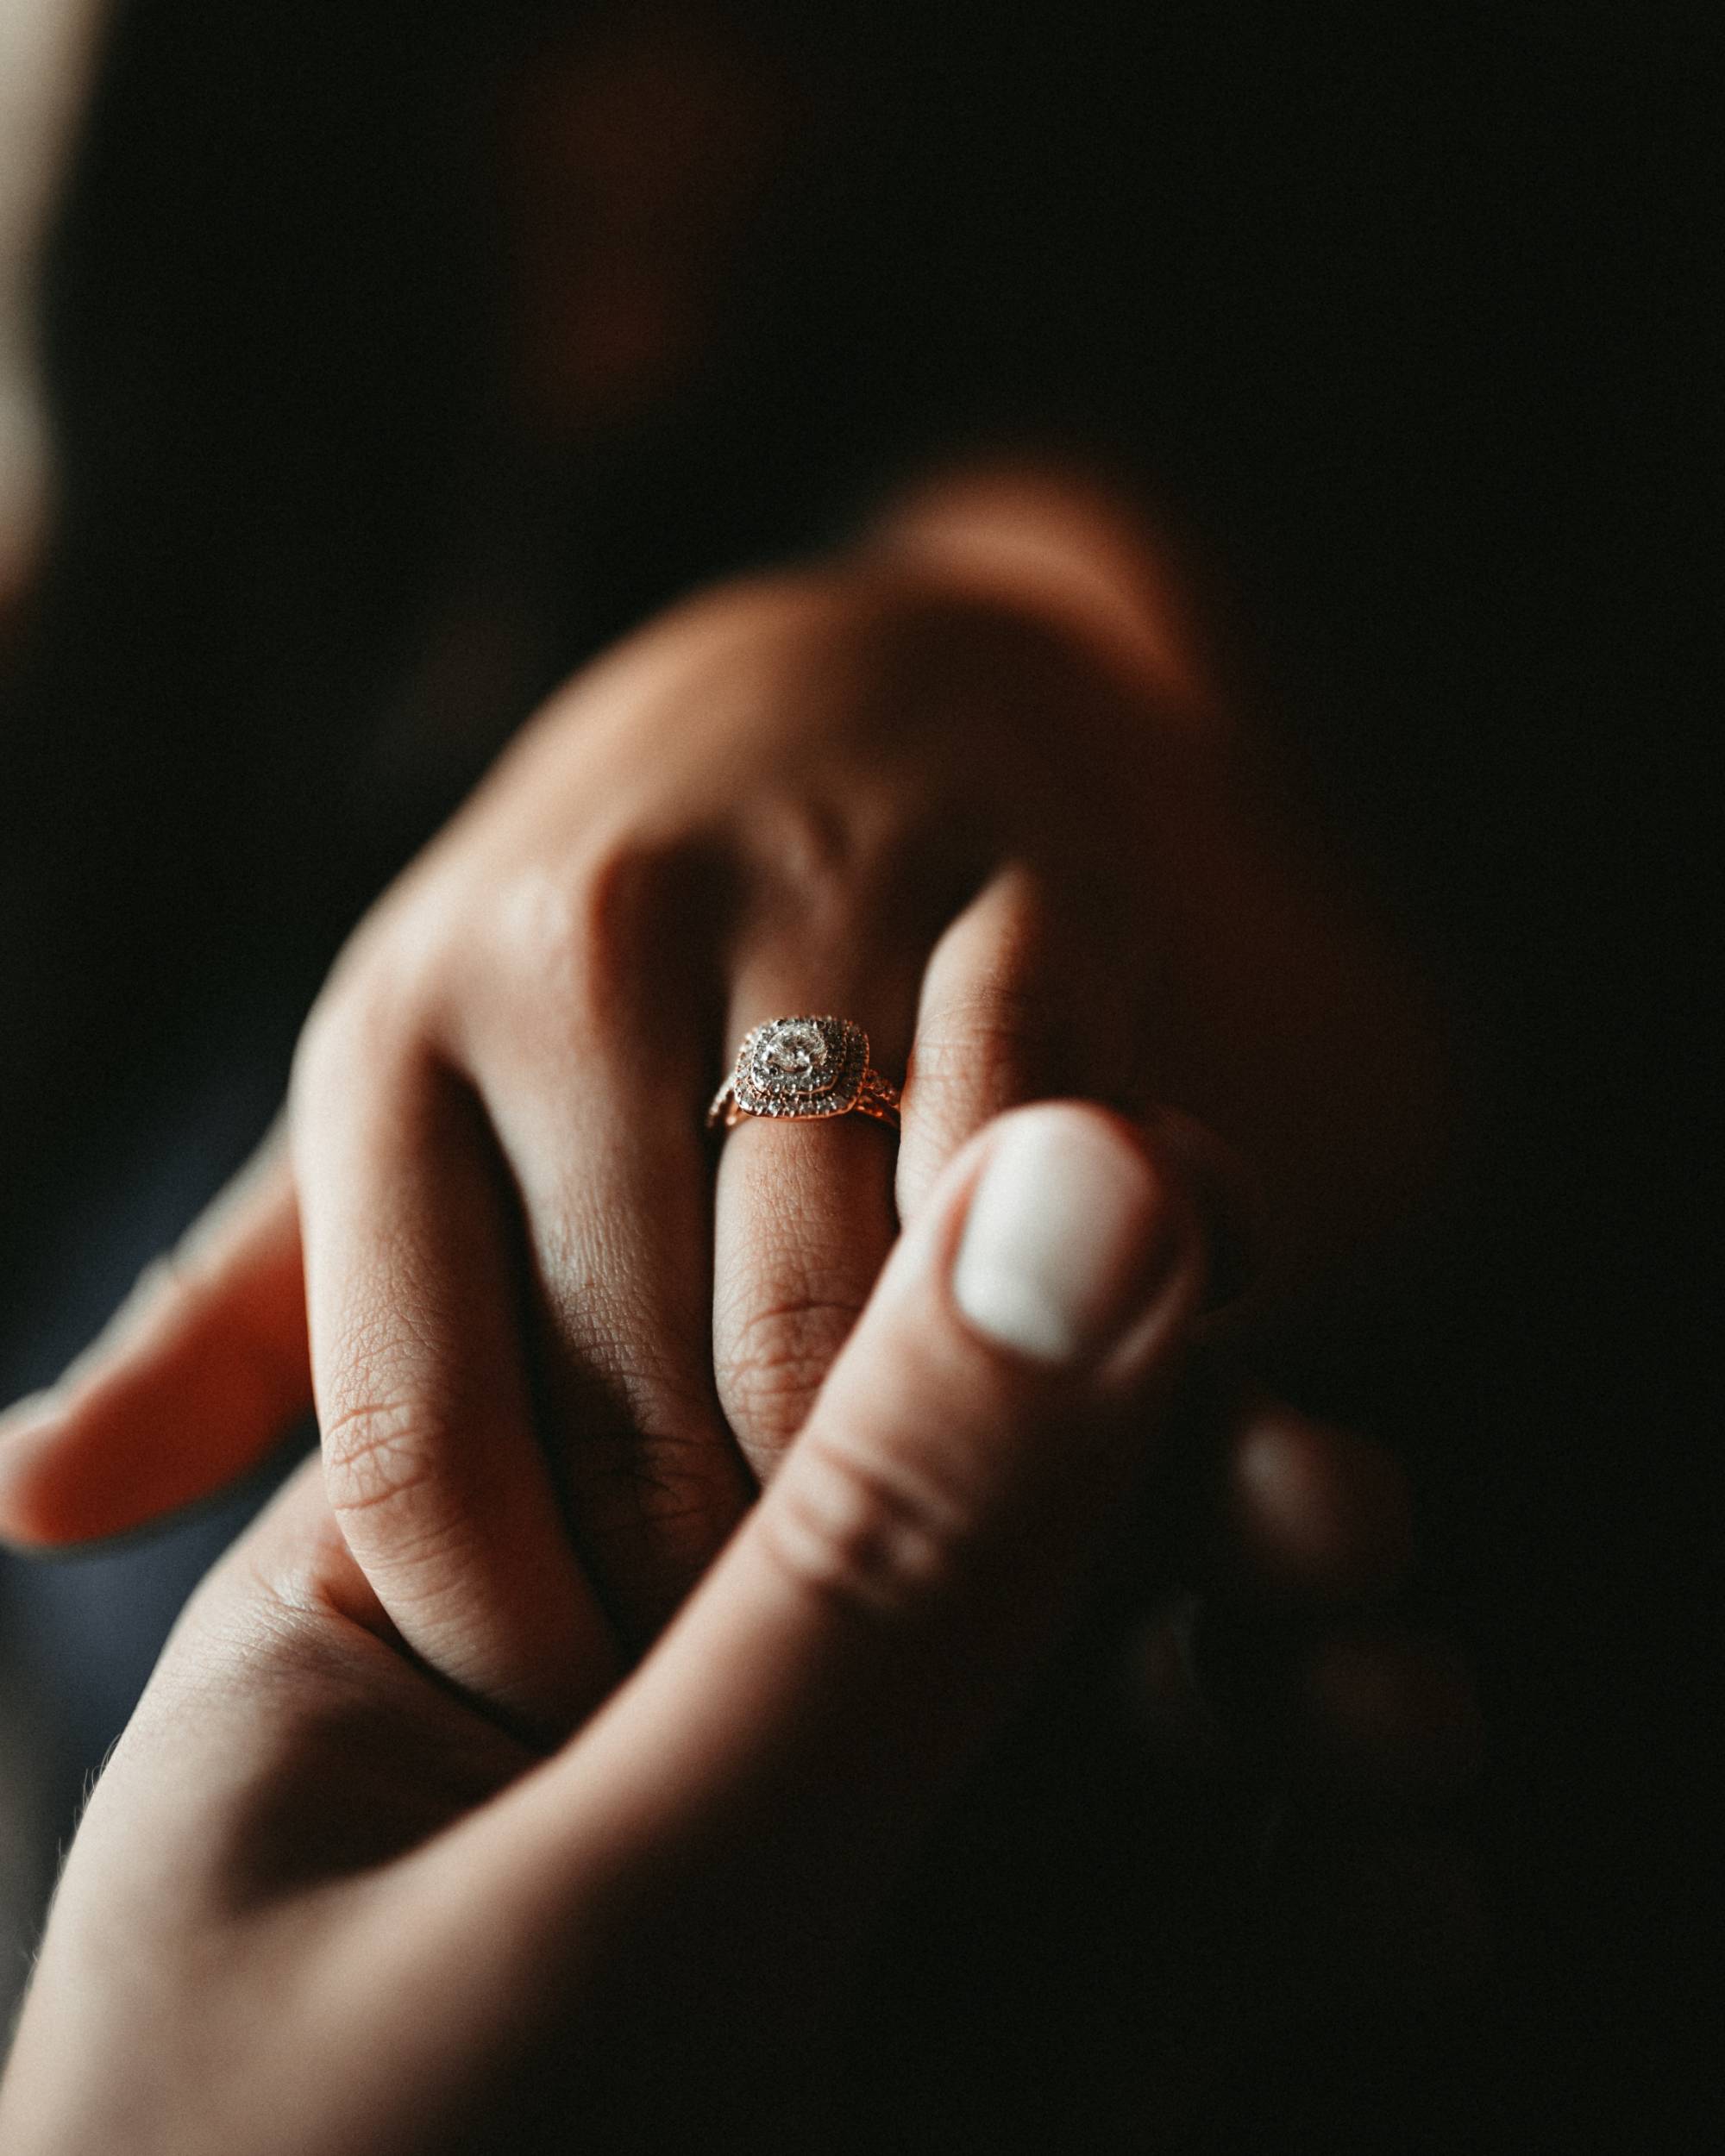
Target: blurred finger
{"type": "Point", "coordinates": [198, 1374]}
{"type": "Point", "coordinates": [1298, 1520]}
{"type": "Point", "coordinates": [1310, 1514]}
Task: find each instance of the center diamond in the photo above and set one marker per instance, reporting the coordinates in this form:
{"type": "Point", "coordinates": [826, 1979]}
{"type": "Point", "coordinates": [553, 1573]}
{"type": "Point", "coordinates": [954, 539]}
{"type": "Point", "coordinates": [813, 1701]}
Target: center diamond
{"type": "Point", "coordinates": [794, 1049]}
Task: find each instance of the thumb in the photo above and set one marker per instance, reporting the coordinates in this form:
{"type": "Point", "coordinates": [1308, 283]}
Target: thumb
{"type": "Point", "coordinates": [882, 1607]}
{"type": "Point", "coordinates": [197, 1375]}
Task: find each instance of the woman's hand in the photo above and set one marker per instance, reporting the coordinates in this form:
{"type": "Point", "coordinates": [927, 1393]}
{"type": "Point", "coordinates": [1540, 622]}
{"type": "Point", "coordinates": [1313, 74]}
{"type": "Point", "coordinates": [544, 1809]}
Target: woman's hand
{"type": "Point", "coordinates": [966, 787]}
{"type": "Point", "coordinates": [319, 1901]}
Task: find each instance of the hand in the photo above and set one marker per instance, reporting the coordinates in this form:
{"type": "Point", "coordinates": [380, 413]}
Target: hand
{"type": "Point", "coordinates": [319, 1901]}
{"type": "Point", "coordinates": [967, 785]}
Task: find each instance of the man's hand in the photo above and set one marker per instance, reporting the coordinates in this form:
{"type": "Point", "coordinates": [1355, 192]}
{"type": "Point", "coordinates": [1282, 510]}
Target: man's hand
{"type": "Point", "coordinates": [320, 1902]}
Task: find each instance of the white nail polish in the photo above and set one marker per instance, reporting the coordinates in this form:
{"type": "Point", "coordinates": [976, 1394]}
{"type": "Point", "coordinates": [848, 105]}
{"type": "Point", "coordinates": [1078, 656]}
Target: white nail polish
{"type": "Point", "coordinates": [1053, 1257]}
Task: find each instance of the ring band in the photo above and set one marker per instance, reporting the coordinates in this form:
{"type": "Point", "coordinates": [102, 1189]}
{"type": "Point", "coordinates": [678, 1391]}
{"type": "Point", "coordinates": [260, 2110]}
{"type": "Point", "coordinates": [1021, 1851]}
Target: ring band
{"type": "Point", "coordinates": [803, 1069]}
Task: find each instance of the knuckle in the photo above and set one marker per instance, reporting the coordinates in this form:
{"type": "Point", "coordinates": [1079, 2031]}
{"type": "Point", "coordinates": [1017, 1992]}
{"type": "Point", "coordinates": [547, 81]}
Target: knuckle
{"type": "Point", "coordinates": [872, 1538]}
{"type": "Point", "coordinates": [769, 1375]}
{"type": "Point", "coordinates": [829, 865]}
{"type": "Point", "coordinates": [380, 1458]}
{"type": "Point", "coordinates": [360, 1023]}
{"type": "Point", "coordinates": [811, 847]}
{"type": "Point", "coordinates": [319, 1052]}
{"type": "Point", "coordinates": [577, 937]}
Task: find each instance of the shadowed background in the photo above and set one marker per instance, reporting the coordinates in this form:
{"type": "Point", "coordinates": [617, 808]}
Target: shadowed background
{"type": "Point", "coordinates": [399, 357]}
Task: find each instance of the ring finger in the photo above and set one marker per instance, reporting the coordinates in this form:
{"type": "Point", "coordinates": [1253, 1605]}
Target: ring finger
{"type": "Point", "coordinates": [805, 1211]}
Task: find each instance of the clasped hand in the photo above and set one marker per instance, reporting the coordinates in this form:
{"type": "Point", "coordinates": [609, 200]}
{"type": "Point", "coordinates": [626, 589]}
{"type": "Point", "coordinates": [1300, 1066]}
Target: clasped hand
{"type": "Point", "coordinates": [427, 1815]}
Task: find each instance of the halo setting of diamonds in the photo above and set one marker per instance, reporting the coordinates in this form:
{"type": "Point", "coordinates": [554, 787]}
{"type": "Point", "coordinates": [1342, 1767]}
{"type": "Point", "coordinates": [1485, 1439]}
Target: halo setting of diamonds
{"type": "Point", "coordinates": [802, 1067]}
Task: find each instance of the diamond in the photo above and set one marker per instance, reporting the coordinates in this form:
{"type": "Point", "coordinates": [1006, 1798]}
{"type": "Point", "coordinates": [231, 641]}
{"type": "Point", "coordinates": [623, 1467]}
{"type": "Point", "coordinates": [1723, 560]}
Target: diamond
{"type": "Point", "coordinates": [802, 1067]}
{"type": "Point", "coordinates": [794, 1049]}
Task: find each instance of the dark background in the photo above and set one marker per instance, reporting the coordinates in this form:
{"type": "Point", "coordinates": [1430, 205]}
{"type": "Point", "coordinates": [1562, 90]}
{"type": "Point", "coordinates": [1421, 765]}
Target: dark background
{"type": "Point", "coordinates": [1396, 308]}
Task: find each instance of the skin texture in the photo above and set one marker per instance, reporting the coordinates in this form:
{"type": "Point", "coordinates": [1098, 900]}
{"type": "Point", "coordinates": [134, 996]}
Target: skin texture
{"type": "Point", "coordinates": [321, 1900]}
{"type": "Point", "coordinates": [969, 784]}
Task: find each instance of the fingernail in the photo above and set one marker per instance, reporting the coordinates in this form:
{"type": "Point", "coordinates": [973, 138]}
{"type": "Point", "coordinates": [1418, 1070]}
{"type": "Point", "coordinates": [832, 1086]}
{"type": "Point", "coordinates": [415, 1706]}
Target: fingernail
{"type": "Point", "coordinates": [1062, 1232]}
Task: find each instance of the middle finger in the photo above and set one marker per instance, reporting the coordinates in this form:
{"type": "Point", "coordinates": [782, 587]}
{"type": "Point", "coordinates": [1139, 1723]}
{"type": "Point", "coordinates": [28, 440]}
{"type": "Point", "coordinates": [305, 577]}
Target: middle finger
{"type": "Point", "coordinates": [592, 1071]}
